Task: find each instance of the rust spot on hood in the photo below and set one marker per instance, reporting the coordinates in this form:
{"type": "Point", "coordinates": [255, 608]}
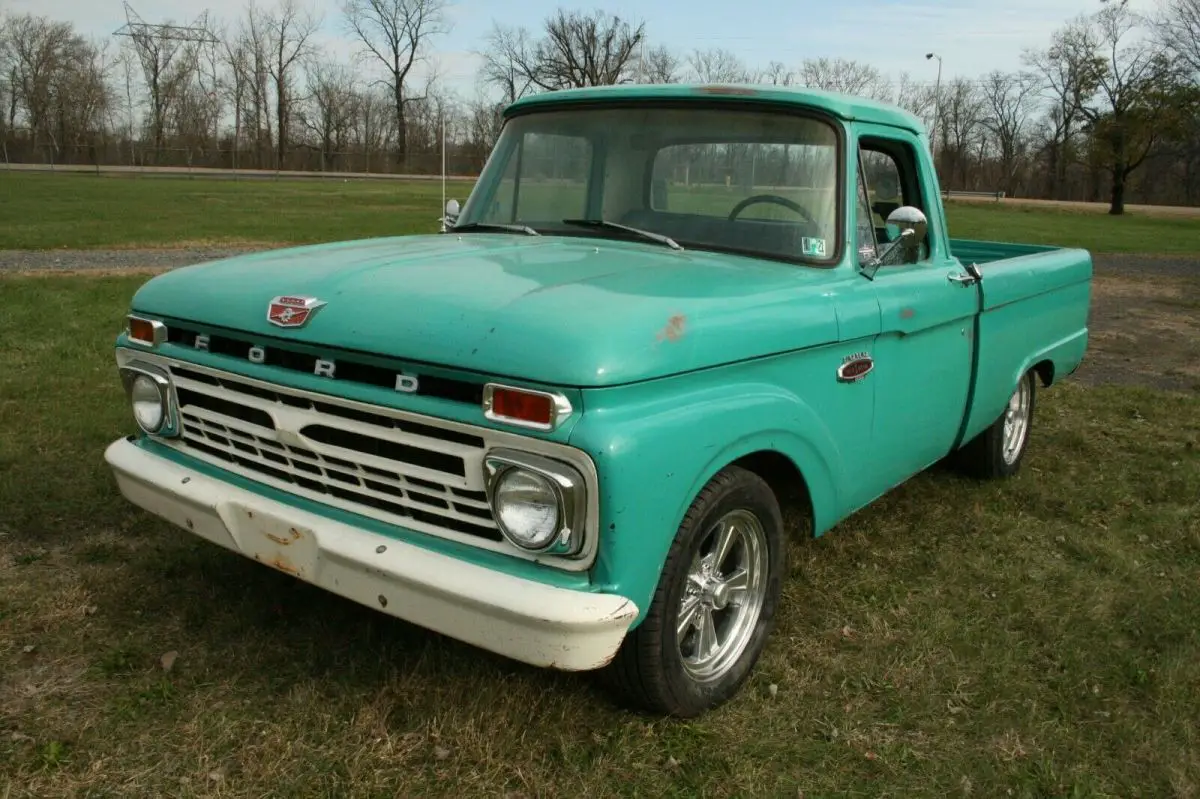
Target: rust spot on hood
{"type": "Point", "coordinates": [675, 329]}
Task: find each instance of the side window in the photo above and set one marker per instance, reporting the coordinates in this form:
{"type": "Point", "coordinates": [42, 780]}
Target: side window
{"type": "Point", "coordinates": [884, 187]}
{"type": "Point", "coordinates": [889, 169]}
{"type": "Point", "coordinates": [546, 180]}
{"type": "Point", "coordinates": [865, 228]}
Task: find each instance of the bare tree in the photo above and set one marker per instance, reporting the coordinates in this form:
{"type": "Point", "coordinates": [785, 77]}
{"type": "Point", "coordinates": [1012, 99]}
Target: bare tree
{"type": "Point", "coordinates": [844, 76]}
{"type": "Point", "coordinates": [83, 94]}
{"type": "Point", "coordinates": [1177, 29]}
{"type": "Point", "coordinates": [289, 31]}
{"type": "Point", "coordinates": [373, 124]}
{"type": "Point", "coordinates": [959, 138]}
{"type": "Point", "coordinates": [575, 50]}
{"type": "Point", "coordinates": [168, 65]}
{"type": "Point", "coordinates": [1068, 70]}
{"type": "Point", "coordinates": [56, 85]}
{"type": "Point", "coordinates": [581, 50]}
{"type": "Point", "coordinates": [660, 65]}
{"type": "Point", "coordinates": [482, 127]}
{"type": "Point", "coordinates": [1177, 26]}
{"type": "Point", "coordinates": [254, 45]}
{"type": "Point", "coordinates": [38, 51]}
{"type": "Point", "coordinates": [8, 105]}
{"type": "Point", "coordinates": [330, 111]}
{"type": "Point", "coordinates": [395, 33]}
{"type": "Point", "coordinates": [1132, 104]}
{"type": "Point", "coordinates": [778, 74]}
{"type": "Point", "coordinates": [717, 65]}
{"type": "Point", "coordinates": [1007, 106]}
{"type": "Point", "coordinates": [235, 59]}
{"type": "Point", "coordinates": [918, 99]}
{"type": "Point", "coordinates": [510, 62]}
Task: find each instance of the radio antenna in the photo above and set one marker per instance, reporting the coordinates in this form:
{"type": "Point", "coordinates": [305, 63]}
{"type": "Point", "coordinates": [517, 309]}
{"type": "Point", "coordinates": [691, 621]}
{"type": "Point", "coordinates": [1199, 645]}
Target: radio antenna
{"type": "Point", "coordinates": [443, 120]}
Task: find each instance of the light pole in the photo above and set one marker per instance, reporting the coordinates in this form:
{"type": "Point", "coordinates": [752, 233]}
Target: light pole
{"type": "Point", "coordinates": [937, 105]}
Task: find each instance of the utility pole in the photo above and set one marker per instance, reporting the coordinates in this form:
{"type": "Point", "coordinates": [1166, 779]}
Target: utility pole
{"type": "Point", "coordinates": [157, 44]}
{"type": "Point", "coordinates": [937, 107]}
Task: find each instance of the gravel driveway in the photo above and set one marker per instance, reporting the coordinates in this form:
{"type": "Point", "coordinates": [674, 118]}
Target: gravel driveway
{"type": "Point", "coordinates": [27, 260]}
{"type": "Point", "coordinates": [1145, 316]}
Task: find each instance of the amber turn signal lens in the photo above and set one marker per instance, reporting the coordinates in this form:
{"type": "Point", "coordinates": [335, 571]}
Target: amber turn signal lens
{"type": "Point", "coordinates": [523, 406]}
{"type": "Point", "coordinates": [143, 330]}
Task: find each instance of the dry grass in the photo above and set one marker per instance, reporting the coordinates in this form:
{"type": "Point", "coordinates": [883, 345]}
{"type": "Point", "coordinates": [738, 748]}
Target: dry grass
{"type": "Point", "coordinates": [1031, 638]}
{"type": "Point", "coordinates": [1146, 332]}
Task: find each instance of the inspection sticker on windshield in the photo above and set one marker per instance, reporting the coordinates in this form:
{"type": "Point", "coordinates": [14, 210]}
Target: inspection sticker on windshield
{"type": "Point", "coordinates": [814, 248]}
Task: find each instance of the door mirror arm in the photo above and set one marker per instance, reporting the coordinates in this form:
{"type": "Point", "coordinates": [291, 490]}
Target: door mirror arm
{"type": "Point", "coordinates": [912, 226]}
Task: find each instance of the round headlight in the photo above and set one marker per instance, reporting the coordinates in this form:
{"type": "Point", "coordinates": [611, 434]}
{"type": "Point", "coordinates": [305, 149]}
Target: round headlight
{"type": "Point", "coordinates": [147, 400]}
{"type": "Point", "coordinates": [526, 508]}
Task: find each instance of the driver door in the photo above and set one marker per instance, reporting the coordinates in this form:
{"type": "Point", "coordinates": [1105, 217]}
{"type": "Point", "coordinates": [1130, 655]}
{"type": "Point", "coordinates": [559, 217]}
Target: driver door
{"type": "Point", "coordinates": [925, 351]}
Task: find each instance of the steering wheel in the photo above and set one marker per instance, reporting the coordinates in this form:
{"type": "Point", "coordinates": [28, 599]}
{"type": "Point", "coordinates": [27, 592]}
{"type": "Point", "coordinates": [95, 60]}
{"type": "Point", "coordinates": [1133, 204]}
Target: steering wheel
{"type": "Point", "coordinates": [773, 199]}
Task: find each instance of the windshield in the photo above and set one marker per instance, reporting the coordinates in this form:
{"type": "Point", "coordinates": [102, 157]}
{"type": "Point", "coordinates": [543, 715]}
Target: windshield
{"type": "Point", "coordinates": [744, 180]}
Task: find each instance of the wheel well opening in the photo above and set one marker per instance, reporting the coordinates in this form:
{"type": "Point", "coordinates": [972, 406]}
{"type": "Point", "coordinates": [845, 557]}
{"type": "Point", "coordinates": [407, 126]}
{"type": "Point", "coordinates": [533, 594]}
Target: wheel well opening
{"type": "Point", "coordinates": [1045, 371]}
{"type": "Point", "coordinates": [788, 484]}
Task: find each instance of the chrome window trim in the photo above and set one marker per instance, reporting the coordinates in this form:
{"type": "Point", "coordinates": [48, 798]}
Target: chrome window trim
{"type": "Point", "coordinates": [560, 407]}
{"type": "Point", "coordinates": [493, 440]}
{"type": "Point", "coordinates": [160, 331]}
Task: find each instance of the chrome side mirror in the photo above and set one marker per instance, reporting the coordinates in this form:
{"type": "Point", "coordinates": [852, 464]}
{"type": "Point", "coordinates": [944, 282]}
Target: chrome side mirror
{"type": "Point", "coordinates": [451, 215]}
{"type": "Point", "coordinates": [907, 227]}
{"type": "Point", "coordinates": [907, 219]}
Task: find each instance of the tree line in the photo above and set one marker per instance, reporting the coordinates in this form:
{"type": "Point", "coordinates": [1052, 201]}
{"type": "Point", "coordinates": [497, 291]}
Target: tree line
{"type": "Point", "coordinates": [1107, 110]}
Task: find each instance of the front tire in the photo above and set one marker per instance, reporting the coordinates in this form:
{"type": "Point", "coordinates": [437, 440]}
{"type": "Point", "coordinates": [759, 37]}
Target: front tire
{"type": "Point", "coordinates": [715, 604]}
{"type": "Point", "coordinates": [997, 452]}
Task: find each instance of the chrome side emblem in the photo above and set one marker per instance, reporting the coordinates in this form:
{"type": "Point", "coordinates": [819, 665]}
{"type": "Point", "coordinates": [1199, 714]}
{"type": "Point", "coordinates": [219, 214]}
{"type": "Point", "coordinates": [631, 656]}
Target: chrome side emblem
{"type": "Point", "coordinates": [292, 311]}
{"type": "Point", "coordinates": [855, 367]}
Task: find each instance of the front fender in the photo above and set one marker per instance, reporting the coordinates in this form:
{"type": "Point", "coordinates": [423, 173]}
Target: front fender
{"type": "Point", "coordinates": [656, 447]}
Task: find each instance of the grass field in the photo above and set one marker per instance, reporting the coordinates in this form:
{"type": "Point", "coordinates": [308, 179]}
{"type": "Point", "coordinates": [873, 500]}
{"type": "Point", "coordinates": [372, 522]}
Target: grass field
{"type": "Point", "coordinates": [1032, 638]}
{"type": "Point", "coordinates": [41, 211]}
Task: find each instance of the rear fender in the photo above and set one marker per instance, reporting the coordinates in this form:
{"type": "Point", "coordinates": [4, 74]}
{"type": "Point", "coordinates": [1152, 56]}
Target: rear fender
{"type": "Point", "coordinates": [1035, 311]}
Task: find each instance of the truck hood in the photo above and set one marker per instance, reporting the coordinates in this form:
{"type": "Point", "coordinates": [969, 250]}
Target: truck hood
{"type": "Point", "coordinates": [565, 311]}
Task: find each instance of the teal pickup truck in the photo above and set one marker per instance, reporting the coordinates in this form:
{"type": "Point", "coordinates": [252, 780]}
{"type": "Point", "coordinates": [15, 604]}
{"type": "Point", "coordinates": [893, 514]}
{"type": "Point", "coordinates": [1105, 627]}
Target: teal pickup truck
{"type": "Point", "coordinates": [672, 329]}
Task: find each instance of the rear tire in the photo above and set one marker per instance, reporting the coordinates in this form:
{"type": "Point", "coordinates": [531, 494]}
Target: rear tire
{"type": "Point", "coordinates": [998, 451]}
{"type": "Point", "coordinates": [715, 604]}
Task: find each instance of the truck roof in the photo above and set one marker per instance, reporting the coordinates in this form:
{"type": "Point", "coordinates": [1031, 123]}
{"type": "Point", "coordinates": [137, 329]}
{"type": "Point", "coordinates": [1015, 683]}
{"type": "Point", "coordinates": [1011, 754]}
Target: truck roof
{"type": "Point", "coordinates": [844, 106]}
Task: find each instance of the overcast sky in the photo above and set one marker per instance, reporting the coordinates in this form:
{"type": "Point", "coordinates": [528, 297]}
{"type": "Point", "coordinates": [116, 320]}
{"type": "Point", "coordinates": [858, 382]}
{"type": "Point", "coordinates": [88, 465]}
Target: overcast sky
{"type": "Point", "coordinates": [972, 36]}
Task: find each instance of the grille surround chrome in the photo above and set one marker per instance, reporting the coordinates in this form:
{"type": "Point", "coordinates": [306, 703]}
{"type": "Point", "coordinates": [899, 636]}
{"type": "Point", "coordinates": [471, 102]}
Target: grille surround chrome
{"type": "Point", "coordinates": [228, 442]}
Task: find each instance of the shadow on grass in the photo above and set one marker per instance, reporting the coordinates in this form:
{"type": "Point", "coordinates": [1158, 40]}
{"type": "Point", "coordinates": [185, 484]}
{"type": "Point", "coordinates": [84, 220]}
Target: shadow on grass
{"type": "Point", "coordinates": [266, 630]}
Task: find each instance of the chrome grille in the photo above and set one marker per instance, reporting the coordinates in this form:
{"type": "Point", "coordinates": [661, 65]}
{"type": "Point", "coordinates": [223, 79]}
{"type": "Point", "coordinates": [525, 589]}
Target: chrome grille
{"type": "Point", "coordinates": [412, 473]}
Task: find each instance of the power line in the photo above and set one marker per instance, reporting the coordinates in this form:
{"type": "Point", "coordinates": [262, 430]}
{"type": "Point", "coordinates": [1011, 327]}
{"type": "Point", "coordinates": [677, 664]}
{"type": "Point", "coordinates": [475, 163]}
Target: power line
{"type": "Point", "coordinates": [137, 28]}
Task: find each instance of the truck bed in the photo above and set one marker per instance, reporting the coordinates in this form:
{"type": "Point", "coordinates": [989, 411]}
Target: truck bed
{"type": "Point", "coordinates": [982, 252]}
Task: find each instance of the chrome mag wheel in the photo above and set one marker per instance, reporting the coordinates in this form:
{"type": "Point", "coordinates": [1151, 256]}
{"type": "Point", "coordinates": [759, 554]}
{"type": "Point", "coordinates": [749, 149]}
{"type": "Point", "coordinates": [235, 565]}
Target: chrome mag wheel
{"type": "Point", "coordinates": [1016, 422]}
{"type": "Point", "coordinates": [723, 598]}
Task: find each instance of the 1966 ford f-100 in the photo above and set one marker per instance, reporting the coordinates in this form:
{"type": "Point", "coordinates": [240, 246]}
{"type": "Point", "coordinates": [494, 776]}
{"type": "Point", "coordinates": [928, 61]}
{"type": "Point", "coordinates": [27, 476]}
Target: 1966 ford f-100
{"type": "Point", "coordinates": [570, 429]}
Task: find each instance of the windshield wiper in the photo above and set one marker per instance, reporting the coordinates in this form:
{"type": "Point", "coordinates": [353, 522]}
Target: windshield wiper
{"type": "Point", "coordinates": [528, 231]}
{"type": "Point", "coordinates": [646, 234]}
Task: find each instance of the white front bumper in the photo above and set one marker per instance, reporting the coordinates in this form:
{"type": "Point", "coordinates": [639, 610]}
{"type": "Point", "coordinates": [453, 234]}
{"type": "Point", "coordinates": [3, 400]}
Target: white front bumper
{"type": "Point", "coordinates": [522, 619]}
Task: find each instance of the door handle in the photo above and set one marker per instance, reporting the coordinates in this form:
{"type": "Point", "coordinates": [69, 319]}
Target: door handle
{"type": "Point", "coordinates": [972, 275]}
